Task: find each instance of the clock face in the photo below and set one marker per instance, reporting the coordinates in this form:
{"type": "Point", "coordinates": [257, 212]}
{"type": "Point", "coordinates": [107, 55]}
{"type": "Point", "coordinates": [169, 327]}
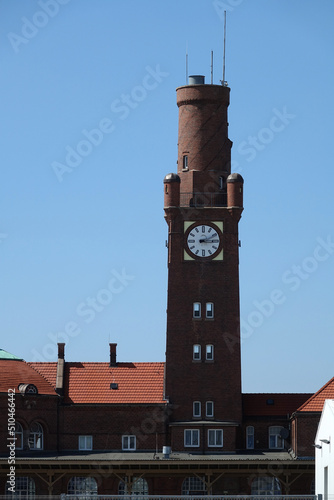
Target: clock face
{"type": "Point", "coordinates": [203, 240]}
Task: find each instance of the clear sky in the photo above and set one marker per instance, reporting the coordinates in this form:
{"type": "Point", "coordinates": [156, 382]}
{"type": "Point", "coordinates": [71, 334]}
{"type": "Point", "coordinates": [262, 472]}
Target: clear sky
{"type": "Point", "coordinates": [88, 132]}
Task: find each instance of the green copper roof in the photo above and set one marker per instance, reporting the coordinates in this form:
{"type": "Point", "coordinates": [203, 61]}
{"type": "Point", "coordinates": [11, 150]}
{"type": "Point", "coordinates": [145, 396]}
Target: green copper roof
{"type": "Point", "coordinates": [8, 355]}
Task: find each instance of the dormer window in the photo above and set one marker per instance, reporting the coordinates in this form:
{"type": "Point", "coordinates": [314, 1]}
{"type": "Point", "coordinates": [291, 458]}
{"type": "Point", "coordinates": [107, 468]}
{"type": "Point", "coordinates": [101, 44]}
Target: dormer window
{"type": "Point", "coordinates": [27, 389]}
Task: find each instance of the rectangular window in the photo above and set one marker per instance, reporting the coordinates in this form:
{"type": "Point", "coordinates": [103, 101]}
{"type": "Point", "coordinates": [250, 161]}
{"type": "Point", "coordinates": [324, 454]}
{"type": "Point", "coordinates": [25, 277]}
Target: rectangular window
{"type": "Point", "coordinates": [85, 442]}
{"type": "Point", "coordinates": [196, 352]}
{"type": "Point", "coordinates": [209, 310]}
{"type": "Point", "coordinates": [275, 439]}
{"type": "Point", "coordinates": [185, 162]}
{"type": "Point", "coordinates": [221, 182]}
{"type": "Point", "coordinates": [215, 437]}
{"type": "Point", "coordinates": [209, 408]}
{"type": "Point", "coordinates": [209, 352]}
{"type": "Point", "coordinates": [191, 437]}
{"type": "Point", "coordinates": [128, 442]}
{"type": "Point", "coordinates": [250, 437]}
{"type": "Point", "coordinates": [196, 310]}
{"type": "Point", "coordinates": [196, 409]}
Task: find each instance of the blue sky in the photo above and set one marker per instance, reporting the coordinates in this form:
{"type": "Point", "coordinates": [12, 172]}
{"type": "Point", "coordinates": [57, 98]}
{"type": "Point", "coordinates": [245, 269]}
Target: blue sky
{"type": "Point", "coordinates": [88, 132]}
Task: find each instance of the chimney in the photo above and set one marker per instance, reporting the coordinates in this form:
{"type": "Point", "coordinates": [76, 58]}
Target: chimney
{"type": "Point", "coordinates": [61, 350]}
{"type": "Point", "coordinates": [60, 369]}
{"type": "Point", "coordinates": [113, 355]}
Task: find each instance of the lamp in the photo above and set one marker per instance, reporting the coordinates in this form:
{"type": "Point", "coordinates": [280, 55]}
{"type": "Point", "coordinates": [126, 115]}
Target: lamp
{"type": "Point", "coordinates": [317, 446]}
{"type": "Point", "coordinates": [326, 441]}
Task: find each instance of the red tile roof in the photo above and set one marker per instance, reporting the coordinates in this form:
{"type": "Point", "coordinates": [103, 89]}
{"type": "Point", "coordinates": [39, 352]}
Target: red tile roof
{"type": "Point", "coordinates": [283, 404]}
{"type": "Point", "coordinates": [16, 372]}
{"type": "Point", "coordinates": [316, 401]}
{"type": "Point", "coordinates": [89, 382]}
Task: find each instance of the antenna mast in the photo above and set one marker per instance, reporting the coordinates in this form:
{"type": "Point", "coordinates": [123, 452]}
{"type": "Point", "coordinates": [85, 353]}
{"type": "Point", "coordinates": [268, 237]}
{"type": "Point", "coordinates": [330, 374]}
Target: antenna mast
{"type": "Point", "coordinates": [187, 64]}
{"type": "Point", "coordinates": [223, 82]}
{"type": "Point", "coordinates": [211, 67]}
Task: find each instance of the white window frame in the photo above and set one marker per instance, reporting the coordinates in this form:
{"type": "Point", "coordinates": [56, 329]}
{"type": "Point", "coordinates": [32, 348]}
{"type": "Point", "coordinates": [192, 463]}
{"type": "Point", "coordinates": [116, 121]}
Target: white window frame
{"type": "Point", "coordinates": [218, 442]}
{"type": "Point", "coordinates": [192, 436]}
{"type": "Point", "coordinates": [35, 439]}
{"type": "Point", "coordinates": [209, 310]}
{"type": "Point", "coordinates": [197, 356]}
{"type": "Point", "coordinates": [18, 436]}
{"type": "Point", "coordinates": [276, 442]}
{"type": "Point", "coordinates": [197, 310]}
{"type": "Point", "coordinates": [209, 405]}
{"type": "Point", "coordinates": [85, 443]}
{"type": "Point", "coordinates": [197, 409]}
{"type": "Point", "coordinates": [209, 350]}
{"type": "Point", "coordinates": [128, 442]}
{"type": "Point", "coordinates": [185, 162]}
{"type": "Point", "coordinates": [250, 437]}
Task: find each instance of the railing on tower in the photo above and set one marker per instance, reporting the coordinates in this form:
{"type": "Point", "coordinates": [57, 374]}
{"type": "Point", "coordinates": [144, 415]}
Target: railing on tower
{"type": "Point", "coordinates": [203, 200]}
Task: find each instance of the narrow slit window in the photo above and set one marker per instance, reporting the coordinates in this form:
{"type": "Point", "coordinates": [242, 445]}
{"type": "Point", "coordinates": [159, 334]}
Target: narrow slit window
{"type": "Point", "coordinates": [185, 162]}
{"type": "Point", "coordinates": [221, 183]}
{"type": "Point", "coordinates": [196, 409]}
{"type": "Point", "coordinates": [209, 408]}
{"type": "Point", "coordinates": [197, 310]}
{"type": "Point", "coordinates": [209, 352]}
{"type": "Point", "coordinates": [196, 352]}
{"type": "Point", "coordinates": [209, 310]}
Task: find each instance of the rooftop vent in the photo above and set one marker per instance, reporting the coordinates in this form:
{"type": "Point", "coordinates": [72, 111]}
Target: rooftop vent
{"type": "Point", "coordinates": [196, 80]}
{"type": "Point", "coordinates": [270, 402]}
{"type": "Point", "coordinates": [113, 385]}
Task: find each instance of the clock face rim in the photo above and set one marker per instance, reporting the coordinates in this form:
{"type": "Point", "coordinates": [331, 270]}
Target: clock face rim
{"type": "Point", "coordinates": [200, 257]}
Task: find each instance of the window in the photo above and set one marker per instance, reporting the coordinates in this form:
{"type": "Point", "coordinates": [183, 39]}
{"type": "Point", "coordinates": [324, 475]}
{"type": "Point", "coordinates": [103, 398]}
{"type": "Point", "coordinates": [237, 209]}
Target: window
{"type": "Point", "coordinates": [128, 442]}
{"type": "Point", "coordinates": [185, 162]}
{"type": "Point", "coordinates": [85, 442]}
{"type": "Point", "coordinates": [209, 408]}
{"type": "Point", "coordinates": [18, 436]}
{"type": "Point", "coordinates": [82, 486]}
{"type": "Point", "coordinates": [191, 437]}
{"type": "Point", "coordinates": [209, 310]}
{"type": "Point", "coordinates": [215, 437]}
{"type": "Point", "coordinates": [35, 439]}
{"type": "Point", "coordinates": [209, 352]}
{"type": "Point", "coordinates": [275, 439]}
{"type": "Point", "coordinates": [196, 409]}
{"type": "Point", "coordinates": [197, 310]}
{"type": "Point", "coordinates": [250, 437]}
{"type": "Point", "coordinates": [266, 486]}
{"type": "Point", "coordinates": [138, 486]}
{"type": "Point", "coordinates": [194, 486]}
{"type": "Point", "coordinates": [196, 352]}
{"type": "Point", "coordinates": [221, 182]}
{"type": "Point", "coordinates": [24, 488]}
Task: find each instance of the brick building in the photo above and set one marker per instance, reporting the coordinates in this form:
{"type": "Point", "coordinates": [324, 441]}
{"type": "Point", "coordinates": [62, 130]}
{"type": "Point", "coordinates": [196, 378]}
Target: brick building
{"type": "Point", "coordinates": [183, 426]}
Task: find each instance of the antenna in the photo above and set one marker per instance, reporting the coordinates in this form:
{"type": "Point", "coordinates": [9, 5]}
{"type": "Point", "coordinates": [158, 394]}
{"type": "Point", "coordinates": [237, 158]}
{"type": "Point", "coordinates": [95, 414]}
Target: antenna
{"type": "Point", "coordinates": [223, 82]}
{"type": "Point", "coordinates": [211, 67]}
{"type": "Point", "coordinates": [187, 64]}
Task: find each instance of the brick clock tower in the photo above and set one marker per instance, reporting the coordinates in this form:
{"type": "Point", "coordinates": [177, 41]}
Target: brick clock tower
{"type": "Point", "coordinates": [203, 203]}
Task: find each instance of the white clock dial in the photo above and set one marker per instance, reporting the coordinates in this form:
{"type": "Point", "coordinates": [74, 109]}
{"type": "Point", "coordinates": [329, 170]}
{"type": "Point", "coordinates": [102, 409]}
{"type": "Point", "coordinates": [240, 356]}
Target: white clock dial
{"type": "Point", "coordinates": [203, 240]}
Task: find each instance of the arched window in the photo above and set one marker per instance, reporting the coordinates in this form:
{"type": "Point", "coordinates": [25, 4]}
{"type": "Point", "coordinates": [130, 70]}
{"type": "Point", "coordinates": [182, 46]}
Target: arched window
{"type": "Point", "coordinates": [194, 486]}
{"type": "Point", "coordinates": [24, 488]}
{"type": "Point", "coordinates": [266, 486]}
{"type": "Point", "coordinates": [138, 486]}
{"type": "Point", "coordinates": [82, 486]}
{"type": "Point", "coordinates": [35, 436]}
{"type": "Point", "coordinates": [18, 436]}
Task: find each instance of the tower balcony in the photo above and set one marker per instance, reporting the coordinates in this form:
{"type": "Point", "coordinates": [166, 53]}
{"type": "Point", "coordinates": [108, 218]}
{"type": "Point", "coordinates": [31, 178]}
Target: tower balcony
{"type": "Point", "coordinates": [203, 200]}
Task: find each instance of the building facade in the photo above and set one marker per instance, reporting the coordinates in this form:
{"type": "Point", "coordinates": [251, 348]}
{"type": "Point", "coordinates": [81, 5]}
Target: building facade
{"type": "Point", "coordinates": [183, 426]}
